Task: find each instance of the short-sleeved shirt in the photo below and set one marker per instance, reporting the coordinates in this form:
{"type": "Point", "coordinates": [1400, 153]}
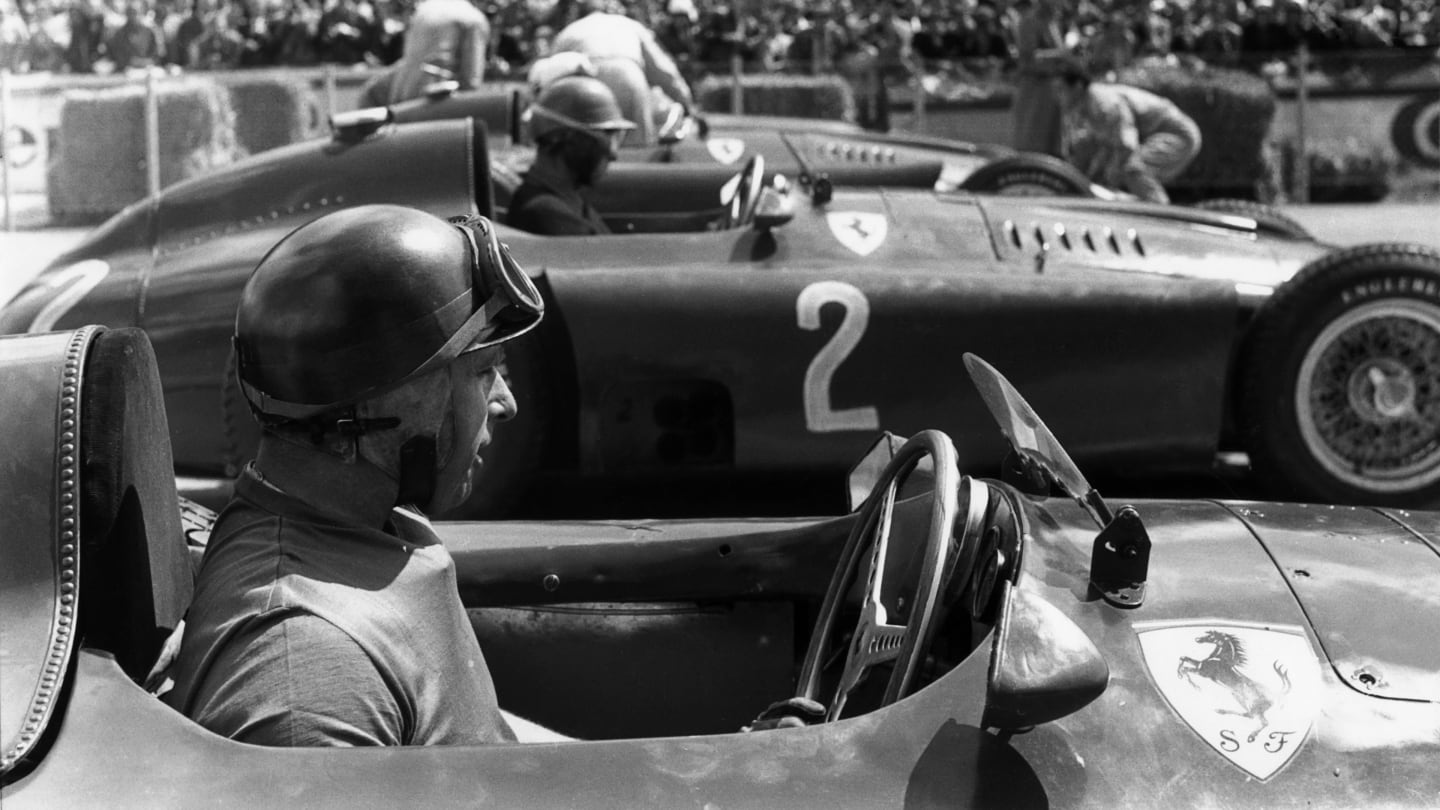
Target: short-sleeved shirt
{"type": "Point", "coordinates": [306, 630]}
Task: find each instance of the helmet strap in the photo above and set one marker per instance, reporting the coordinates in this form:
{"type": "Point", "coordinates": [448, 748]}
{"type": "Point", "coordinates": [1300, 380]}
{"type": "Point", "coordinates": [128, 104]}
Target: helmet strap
{"type": "Point", "coordinates": [417, 471]}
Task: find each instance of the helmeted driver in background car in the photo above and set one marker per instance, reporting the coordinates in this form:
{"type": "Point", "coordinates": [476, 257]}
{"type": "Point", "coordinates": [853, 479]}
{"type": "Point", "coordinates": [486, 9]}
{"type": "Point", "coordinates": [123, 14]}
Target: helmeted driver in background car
{"type": "Point", "coordinates": [368, 345]}
{"type": "Point", "coordinates": [576, 126]}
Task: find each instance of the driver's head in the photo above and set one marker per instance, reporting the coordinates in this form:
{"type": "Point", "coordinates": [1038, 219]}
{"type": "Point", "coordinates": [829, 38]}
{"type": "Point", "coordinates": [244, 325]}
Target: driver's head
{"type": "Point", "coordinates": [374, 334]}
{"type": "Point", "coordinates": [577, 119]}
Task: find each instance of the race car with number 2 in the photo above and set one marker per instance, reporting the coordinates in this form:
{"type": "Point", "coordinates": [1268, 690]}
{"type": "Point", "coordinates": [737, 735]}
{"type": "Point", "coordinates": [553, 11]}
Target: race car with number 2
{"type": "Point", "coordinates": [741, 325]}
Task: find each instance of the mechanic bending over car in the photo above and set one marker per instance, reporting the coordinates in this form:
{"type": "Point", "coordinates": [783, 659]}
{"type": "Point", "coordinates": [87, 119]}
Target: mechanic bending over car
{"type": "Point", "coordinates": [1121, 136]}
{"type": "Point", "coordinates": [576, 125]}
{"type": "Point", "coordinates": [628, 60]}
{"type": "Point", "coordinates": [368, 344]}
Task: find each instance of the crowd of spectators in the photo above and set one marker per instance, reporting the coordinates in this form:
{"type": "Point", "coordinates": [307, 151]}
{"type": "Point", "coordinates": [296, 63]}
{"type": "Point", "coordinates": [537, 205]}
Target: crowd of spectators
{"type": "Point", "coordinates": [89, 36]}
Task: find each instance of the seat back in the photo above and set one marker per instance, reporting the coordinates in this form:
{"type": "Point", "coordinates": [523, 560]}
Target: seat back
{"type": "Point", "coordinates": [91, 548]}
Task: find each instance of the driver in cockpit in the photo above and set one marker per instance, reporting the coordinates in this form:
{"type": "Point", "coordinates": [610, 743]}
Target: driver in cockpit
{"type": "Point", "coordinates": [577, 126]}
{"type": "Point", "coordinates": [326, 610]}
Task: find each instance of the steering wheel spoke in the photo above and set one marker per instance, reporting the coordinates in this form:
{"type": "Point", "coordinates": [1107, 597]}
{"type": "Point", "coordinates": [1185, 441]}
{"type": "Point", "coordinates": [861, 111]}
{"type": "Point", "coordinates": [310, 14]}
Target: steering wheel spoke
{"type": "Point", "coordinates": [876, 640]}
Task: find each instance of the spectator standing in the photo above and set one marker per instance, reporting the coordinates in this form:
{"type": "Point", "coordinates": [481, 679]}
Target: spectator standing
{"type": "Point", "coordinates": [629, 61]}
{"type": "Point", "coordinates": [1035, 111]}
{"type": "Point", "coordinates": [190, 29]}
{"type": "Point", "coordinates": [221, 47]}
{"type": "Point", "coordinates": [87, 36]}
{"type": "Point", "coordinates": [1114, 47]}
{"type": "Point", "coordinates": [14, 39]}
{"type": "Point", "coordinates": [894, 38]}
{"type": "Point", "coordinates": [446, 39]}
{"type": "Point", "coordinates": [138, 42]}
{"type": "Point", "coordinates": [346, 32]}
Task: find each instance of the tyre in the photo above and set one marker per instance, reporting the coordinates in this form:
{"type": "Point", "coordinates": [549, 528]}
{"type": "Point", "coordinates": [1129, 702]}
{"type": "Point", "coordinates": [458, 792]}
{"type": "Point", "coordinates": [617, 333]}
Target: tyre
{"type": "Point", "coordinates": [1340, 391]}
{"type": "Point", "coordinates": [1028, 175]}
{"type": "Point", "coordinates": [1268, 217]}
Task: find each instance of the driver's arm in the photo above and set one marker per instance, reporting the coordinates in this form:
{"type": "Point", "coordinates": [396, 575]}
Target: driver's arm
{"type": "Point", "coordinates": [661, 72]}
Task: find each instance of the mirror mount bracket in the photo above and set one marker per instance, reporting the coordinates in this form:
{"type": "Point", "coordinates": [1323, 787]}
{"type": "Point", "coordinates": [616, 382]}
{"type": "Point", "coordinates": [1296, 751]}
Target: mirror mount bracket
{"type": "Point", "coordinates": [1120, 560]}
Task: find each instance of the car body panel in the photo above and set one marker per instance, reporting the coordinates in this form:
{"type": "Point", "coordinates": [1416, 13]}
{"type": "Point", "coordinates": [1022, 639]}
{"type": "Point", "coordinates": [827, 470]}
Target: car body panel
{"type": "Point", "coordinates": [1208, 567]}
{"type": "Point", "coordinates": [1153, 320]}
{"type": "Point", "coordinates": [1208, 570]}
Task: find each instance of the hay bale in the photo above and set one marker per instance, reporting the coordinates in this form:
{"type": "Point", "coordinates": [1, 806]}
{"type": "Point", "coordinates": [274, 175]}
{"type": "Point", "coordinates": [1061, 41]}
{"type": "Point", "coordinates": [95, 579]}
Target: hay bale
{"type": "Point", "coordinates": [825, 97]}
{"type": "Point", "coordinates": [1233, 110]}
{"type": "Point", "coordinates": [99, 164]}
{"type": "Point", "coordinates": [272, 110]}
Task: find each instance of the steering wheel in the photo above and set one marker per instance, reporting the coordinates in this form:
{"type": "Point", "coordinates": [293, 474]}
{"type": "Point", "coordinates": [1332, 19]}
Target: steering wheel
{"type": "Point", "coordinates": [876, 640]}
{"type": "Point", "coordinates": [746, 199]}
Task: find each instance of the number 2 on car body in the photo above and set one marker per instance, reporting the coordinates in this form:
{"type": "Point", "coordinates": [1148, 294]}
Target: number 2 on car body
{"type": "Point", "coordinates": [820, 417]}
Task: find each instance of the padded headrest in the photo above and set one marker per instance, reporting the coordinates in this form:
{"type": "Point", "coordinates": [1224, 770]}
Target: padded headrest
{"type": "Point", "coordinates": [90, 534]}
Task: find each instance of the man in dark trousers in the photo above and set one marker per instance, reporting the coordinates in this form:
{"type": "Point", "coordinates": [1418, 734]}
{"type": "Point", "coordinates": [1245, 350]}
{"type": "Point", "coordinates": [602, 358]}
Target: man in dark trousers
{"type": "Point", "coordinates": [577, 127]}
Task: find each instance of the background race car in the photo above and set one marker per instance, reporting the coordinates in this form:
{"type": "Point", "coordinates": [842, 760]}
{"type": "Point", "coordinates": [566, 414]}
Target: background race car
{"type": "Point", "coordinates": [740, 327]}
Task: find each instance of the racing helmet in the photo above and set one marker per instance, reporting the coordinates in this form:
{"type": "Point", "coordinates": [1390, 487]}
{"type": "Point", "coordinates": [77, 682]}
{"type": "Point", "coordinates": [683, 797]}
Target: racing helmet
{"type": "Point", "coordinates": [577, 102]}
{"type": "Point", "coordinates": [365, 299]}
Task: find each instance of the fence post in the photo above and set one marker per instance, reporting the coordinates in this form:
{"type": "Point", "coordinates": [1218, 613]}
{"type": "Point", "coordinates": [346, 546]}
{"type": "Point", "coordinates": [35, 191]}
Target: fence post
{"type": "Point", "coordinates": [5, 150]}
{"type": "Point", "coordinates": [917, 86]}
{"type": "Point", "coordinates": [737, 93]}
{"type": "Point", "coordinates": [152, 135]}
{"type": "Point", "coordinates": [328, 72]}
{"type": "Point", "coordinates": [1301, 192]}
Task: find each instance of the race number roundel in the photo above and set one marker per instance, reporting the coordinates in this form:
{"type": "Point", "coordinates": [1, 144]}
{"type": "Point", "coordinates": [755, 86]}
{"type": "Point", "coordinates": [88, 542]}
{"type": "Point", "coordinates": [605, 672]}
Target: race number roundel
{"type": "Point", "coordinates": [1416, 130]}
{"type": "Point", "coordinates": [1250, 691]}
{"type": "Point", "coordinates": [19, 147]}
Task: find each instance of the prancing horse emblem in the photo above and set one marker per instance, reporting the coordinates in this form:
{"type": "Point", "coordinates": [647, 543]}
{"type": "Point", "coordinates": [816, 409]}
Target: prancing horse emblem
{"type": "Point", "coordinates": [1250, 691]}
{"type": "Point", "coordinates": [725, 150]}
{"type": "Point", "coordinates": [861, 231]}
{"type": "Point", "coordinates": [1222, 665]}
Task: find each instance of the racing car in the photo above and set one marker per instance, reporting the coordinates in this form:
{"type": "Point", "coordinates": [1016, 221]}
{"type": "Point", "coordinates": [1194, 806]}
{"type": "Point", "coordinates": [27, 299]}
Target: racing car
{"type": "Point", "coordinates": [841, 153]}
{"type": "Point", "coordinates": [770, 330]}
{"type": "Point", "coordinates": [973, 642]}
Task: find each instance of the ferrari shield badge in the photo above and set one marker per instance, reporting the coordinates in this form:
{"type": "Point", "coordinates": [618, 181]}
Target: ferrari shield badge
{"type": "Point", "coordinates": [861, 231]}
{"type": "Point", "coordinates": [725, 150]}
{"type": "Point", "coordinates": [1250, 691]}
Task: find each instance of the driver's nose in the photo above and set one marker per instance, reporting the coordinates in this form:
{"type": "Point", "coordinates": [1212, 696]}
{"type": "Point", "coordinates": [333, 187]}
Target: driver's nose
{"type": "Point", "coordinates": [502, 404]}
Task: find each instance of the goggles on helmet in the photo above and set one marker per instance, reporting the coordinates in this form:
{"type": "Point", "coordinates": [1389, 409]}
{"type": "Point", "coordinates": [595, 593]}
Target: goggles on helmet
{"type": "Point", "coordinates": [501, 300]}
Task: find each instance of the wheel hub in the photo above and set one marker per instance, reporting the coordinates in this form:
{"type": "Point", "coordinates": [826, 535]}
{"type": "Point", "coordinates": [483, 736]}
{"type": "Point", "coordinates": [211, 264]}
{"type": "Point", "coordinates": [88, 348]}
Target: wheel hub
{"type": "Point", "coordinates": [1382, 390]}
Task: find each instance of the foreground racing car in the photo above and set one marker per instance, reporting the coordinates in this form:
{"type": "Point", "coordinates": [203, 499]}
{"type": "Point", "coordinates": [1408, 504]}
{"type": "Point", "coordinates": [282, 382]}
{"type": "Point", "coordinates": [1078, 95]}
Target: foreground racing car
{"type": "Point", "coordinates": [1008, 648]}
{"type": "Point", "coordinates": [771, 329]}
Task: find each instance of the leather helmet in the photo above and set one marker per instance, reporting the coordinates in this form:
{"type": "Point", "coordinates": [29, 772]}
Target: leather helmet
{"type": "Point", "coordinates": [365, 299]}
{"type": "Point", "coordinates": [576, 102]}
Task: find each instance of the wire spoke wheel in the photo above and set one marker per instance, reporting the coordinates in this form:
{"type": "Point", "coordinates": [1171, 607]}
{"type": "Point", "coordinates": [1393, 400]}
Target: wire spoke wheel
{"type": "Point", "coordinates": [1368, 396]}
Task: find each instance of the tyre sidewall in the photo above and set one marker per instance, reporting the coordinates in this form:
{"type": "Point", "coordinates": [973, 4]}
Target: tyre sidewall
{"type": "Point", "coordinates": [1022, 172]}
{"type": "Point", "coordinates": [1279, 449]}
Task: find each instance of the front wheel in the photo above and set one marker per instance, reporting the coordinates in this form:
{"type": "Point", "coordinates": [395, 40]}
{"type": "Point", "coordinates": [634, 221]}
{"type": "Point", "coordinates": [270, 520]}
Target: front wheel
{"type": "Point", "coordinates": [1340, 395]}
